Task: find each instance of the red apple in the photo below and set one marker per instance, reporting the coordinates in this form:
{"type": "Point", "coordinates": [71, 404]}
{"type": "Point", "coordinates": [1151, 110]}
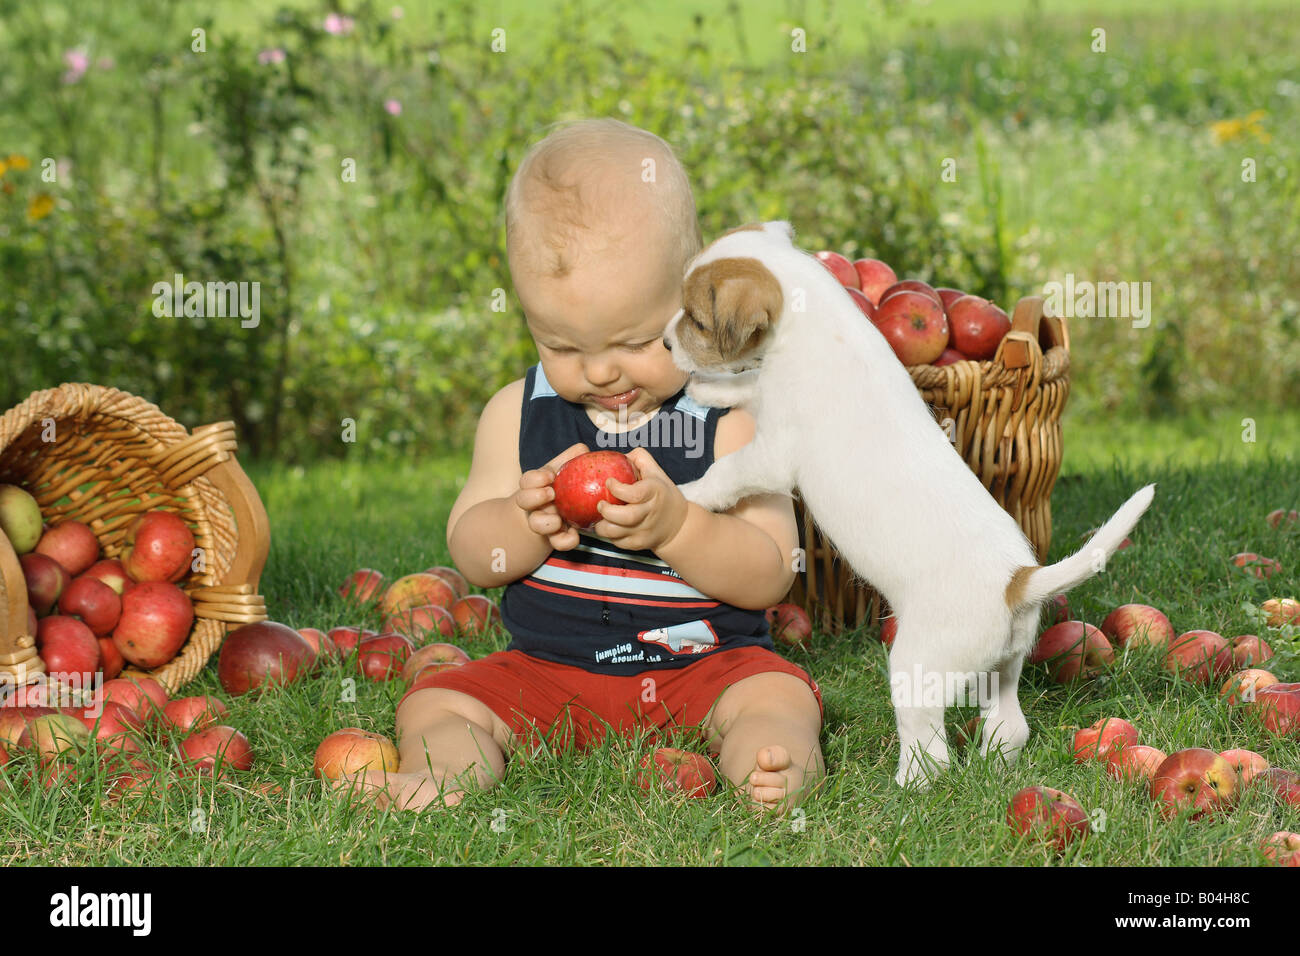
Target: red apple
{"type": "Point", "coordinates": [113, 726]}
{"type": "Point", "coordinates": [72, 544]}
{"type": "Point", "coordinates": [1283, 848]}
{"type": "Point", "coordinates": [1200, 656]}
{"type": "Point", "coordinates": [865, 305]}
{"type": "Point", "coordinates": [789, 625]}
{"type": "Point", "coordinates": [94, 602]}
{"type": "Point", "coordinates": [1284, 783]}
{"type": "Point", "coordinates": [111, 572]}
{"type": "Point", "coordinates": [1279, 517]}
{"type": "Point", "coordinates": [475, 614]}
{"type": "Point", "coordinates": [14, 720]}
{"type": "Point", "coordinates": [220, 745]}
{"type": "Point", "coordinates": [263, 654]}
{"type": "Point", "coordinates": [1249, 650]}
{"type": "Point", "coordinates": [911, 285]}
{"type": "Point", "coordinates": [1284, 611]}
{"type": "Point", "coordinates": [874, 277]}
{"type": "Point", "coordinates": [1247, 763]}
{"type": "Point", "coordinates": [46, 580]}
{"type": "Point", "coordinates": [353, 750]}
{"type": "Point", "coordinates": [159, 547]}
{"type": "Point", "coordinates": [418, 623]}
{"type": "Point", "coordinates": [67, 646]}
{"type": "Point", "coordinates": [362, 586]}
{"type": "Point", "coordinates": [1102, 738]}
{"type": "Point", "coordinates": [416, 590]}
{"type": "Point", "coordinates": [977, 326]}
{"type": "Point", "coordinates": [382, 657]}
{"type": "Point", "coordinates": [320, 642]}
{"type": "Point", "coordinates": [32, 622]}
{"type": "Point", "coordinates": [1277, 707]}
{"type": "Point", "coordinates": [948, 296]}
{"type": "Point", "coordinates": [841, 268]}
{"type": "Point", "coordinates": [1072, 650]}
{"type": "Point", "coordinates": [1139, 625]}
{"type": "Point", "coordinates": [155, 623]}
{"type": "Point", "coordinates": [191, 714]}
{"type": "Point", "coordinates": [455, 580]}
{"type": "Point", "coordinates": [914, 325]}
{"type": "Point", "coordinates": [433, 654]}
{"type": "Point", "coordinates": [144, 695]}
{"type": "Point", "coordinates": [1245, 685]}
{"type": "Point", "coordinates": [888, 631]}
{"type": "Point", "coordinates": [1252, 563]}
{"type": "Point", "coordinates": [949, 357]}
{"type": "Point", "coordinates": [1049, 813]}
{"type": "Point", "coordinates": [346, 639]}
{"type": "Point", "coordinates": [1059, 610]}
{"type": "Point", "coordinates": [678, 771]}
{"type": "Point", "coordinates": [580, 485]}
{"type": "Point", "coordinates": [1195, 779]}
{"type": "Point", "coordinates": [1135, 762]}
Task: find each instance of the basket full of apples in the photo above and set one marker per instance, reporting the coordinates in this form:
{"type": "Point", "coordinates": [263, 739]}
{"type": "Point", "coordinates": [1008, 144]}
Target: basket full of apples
{"type": "Point", "coordinates": [995, 383]}
{"type": "Point", "coordinates": [128, 544]}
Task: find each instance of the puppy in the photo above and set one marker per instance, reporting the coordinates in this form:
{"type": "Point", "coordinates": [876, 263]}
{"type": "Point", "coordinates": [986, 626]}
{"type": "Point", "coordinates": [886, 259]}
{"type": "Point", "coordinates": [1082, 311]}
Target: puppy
{"type": "Point", "coordinates": [765, 326]}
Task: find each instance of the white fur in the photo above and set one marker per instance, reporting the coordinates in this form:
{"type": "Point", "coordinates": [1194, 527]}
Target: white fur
{"type": "Point", "coordinates": [839, 418]}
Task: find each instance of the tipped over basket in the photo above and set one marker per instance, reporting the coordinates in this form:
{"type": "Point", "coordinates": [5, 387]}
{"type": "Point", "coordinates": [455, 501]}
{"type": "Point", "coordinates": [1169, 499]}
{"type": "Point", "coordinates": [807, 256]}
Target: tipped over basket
{"type": "Point", "coordinates": [1003, 417]}
{"type": "Point", "coordinates": [102, 456]}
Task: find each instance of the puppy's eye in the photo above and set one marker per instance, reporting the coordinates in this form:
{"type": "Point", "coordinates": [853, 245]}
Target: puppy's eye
{"type": "Point", "coordinates": [695, 322]}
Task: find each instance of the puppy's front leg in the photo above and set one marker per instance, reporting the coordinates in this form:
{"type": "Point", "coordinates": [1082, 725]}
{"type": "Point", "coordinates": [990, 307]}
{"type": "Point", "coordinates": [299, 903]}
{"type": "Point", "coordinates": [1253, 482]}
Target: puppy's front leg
{"type": "Point", "coordinates": [751, 470]}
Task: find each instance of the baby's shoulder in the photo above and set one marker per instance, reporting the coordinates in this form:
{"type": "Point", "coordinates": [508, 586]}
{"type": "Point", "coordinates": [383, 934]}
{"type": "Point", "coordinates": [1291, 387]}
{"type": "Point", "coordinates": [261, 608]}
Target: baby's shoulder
{"type": "Point", "coordinates": [500, 416]}
{"type": "Point", "coordinates": [735, 430]}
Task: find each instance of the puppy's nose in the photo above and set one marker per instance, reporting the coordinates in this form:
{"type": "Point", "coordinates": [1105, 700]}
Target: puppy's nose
{"type": "Point", "coordinates": [667, 344]}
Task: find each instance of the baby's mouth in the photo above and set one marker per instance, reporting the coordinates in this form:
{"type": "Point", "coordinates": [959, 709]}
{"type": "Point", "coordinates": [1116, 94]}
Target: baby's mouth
{"type": "Point", "coordinates": [612, 402]}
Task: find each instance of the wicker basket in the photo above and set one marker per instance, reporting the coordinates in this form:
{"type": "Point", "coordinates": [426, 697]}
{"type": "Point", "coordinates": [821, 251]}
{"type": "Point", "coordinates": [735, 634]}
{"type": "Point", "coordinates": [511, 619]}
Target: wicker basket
{"type": "Point", "coordinates": [102, 456]}
{"type": "Point", "coordinates": [1005, 418]}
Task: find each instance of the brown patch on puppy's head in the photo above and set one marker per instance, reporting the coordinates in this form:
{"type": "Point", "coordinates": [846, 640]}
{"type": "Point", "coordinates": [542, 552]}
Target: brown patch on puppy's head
{"type": "Point", "coordinates": [728, 307]}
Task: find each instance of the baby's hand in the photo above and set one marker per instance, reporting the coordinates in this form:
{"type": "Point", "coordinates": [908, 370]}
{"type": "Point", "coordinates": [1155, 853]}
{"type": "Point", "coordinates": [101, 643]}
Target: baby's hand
{"type": "Point", "coordinates": [536, 496]}
{"type": "Point", "coordinates": [655, 509]}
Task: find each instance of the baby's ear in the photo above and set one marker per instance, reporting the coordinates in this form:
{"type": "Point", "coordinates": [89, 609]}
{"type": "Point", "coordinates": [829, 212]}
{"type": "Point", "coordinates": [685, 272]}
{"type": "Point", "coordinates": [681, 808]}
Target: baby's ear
{"type": "Point", "coordinates": [781, 227]}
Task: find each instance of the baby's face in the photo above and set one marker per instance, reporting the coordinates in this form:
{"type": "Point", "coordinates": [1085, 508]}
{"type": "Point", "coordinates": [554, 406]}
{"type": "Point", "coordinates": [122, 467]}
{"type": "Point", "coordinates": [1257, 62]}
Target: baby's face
{"type": "Point", "coordinates": [599, 331]}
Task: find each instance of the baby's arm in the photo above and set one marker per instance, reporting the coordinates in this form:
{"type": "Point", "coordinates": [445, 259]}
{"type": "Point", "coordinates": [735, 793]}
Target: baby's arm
{"type": "Point", "coordinates": [492, 538]}
{"type": "Point", "coordinates": [743, 556]}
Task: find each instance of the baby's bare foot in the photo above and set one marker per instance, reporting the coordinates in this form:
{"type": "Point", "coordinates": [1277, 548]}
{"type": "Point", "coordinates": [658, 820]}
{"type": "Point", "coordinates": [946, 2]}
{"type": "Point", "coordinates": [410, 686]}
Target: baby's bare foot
{"type": "Point", "coordinates": [403, 791]}
{"type": "Point", "coordinates": [773, 780]}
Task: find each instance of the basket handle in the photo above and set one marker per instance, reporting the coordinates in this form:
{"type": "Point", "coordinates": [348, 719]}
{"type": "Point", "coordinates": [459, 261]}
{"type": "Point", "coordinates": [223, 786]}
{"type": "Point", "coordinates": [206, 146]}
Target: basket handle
{"type": "Point", "coordinates": [19, 662]}
{"type": "Point", "coordinates": [1031, 319]}
{"type": "Point", "coordinates": [250, 515]}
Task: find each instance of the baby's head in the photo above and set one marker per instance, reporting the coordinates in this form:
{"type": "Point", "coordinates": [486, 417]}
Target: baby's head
{"type": "Point", "coordinates": [600, 226]}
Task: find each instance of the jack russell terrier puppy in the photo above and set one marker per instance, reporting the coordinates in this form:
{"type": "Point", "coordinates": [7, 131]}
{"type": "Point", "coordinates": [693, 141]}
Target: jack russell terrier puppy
{"type": "Point", "coordinates": [767, 327]}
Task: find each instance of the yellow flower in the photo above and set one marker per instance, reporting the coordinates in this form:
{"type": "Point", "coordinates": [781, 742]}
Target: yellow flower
{"type": "Point", "coordinates": [42, 205]}
{"type": "Point", "coordinates": [17, 162]}
{"type": "Point", "coordinates": [3, 167]}
{"type": "Point", "coordinates": [1226, 130]}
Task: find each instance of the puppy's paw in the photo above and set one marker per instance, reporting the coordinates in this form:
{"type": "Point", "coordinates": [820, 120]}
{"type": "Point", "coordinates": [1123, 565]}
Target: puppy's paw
{"type": "Point", "coordinates": [706, 494]}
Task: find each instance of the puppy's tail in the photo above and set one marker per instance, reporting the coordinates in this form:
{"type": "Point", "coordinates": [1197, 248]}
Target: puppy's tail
{"type": "Point", "coordinates": [1038, 584]}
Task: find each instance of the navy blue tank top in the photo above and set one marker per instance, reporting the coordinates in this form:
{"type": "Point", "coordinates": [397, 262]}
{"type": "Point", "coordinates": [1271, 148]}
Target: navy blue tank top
{"type": "Point", "coordinates": [601, 607]}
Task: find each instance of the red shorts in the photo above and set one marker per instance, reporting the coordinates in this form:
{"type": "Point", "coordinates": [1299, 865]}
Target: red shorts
{"type": "Point", "coordinates": [530, 694]}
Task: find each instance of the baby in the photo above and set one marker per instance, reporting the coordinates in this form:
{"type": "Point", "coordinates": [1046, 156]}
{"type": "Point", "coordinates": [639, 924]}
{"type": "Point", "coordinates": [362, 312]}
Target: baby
{"type": "Point", "coordinates": [654, 617]}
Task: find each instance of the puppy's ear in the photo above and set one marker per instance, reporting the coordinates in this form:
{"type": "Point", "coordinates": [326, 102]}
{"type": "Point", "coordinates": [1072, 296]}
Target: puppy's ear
{"type": "Point", "coordinates": [782, 227]}
{"type": "Point", "coordinates": [737, 301]}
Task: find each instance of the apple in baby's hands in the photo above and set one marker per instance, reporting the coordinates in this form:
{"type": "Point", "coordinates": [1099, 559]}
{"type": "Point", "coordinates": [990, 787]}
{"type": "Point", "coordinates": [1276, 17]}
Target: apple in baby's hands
{"type": "Point", "coordinates": [1135, 762]}
{"type": "Point", "coordinates": [841, 268]}
{"type": "Point", "coordinates": [1138, 625]}
{"type": "Point", "coordinates": [159, 547]}
{"type": "Point", "coordinates": [352, 750]}
{"type": "Point", "coordinates": [155, 622]}
{"type": "Point", "coordinates": [1247, 763]}
{"type": "Point", "coordinates": [874, 277]}
{"type": "Point", "coordinates": [1106, 735]}
{"type": "Point", "coordinates": [1051, 813]}
{"type": "Point", "coordinates": [678, 771]}
{"type": "Point", "coordinates": [72, 544]}
{"type": "Point", "coordinates": [580, 485]}
{"type": "Point", "coordinates": [46, 580]}
{"type": "Point", "coordinates": [1196, 779]}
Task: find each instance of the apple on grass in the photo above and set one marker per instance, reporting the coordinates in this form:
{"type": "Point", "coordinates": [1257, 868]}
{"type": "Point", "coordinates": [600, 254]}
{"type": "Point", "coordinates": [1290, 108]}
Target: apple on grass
{"type": "Point", "coordinates": [1244, 686]}
{"type": "Point", "coordinates": [113, 726]}
{"type": "Point", "coordinates": [155, 623]}
{"type": "Point", "coordinates": [789, 625]}
{"type": "Point", "coordinates": [144, 695]}
{"type": "Point", "coordinates": [1200, 656]}
{"type": "Point", "coordinates": [415, 590]}
{"type": "Point", "coordinates": [677, 771]}
{"type": "Point", "coordinates": [46, 580]}
{"type": "Point", "coordinates": [1102, 738]}
{"type": "Point", "coordinates": [382, 657]}
{"type": "Point", "coordinates": [346, 639]}
{"type": "Point", "coordinates": [1281, 611]}
{"type": "Point", "coordinates": [55, 734]}
{"type": "Point", "coordinates": [888, 631]}
{"type": "Point", "coordinates": [579, 485]}
{"type": "Point", "coordinates": [1135, 762]}
{"type": "Point", "coordinates": [363, 586]}
{"type": "Point", "coordinates": [262, 654]}
{"type": "Point", "coordinates": [874, 277]}
{"type": "Point", "coordinates": [841, 268]}
{"type": "Point", "coordinates": [455, 580]}
{"type": "Point", "coordinates": [1247, 763]}
{"type": "Point", "coordinates": [190, 714]}
{"type": "Point", "coordinates": [1194, 779]}
{"type": "Point", "coordinates": [914, 326]}
{"type": "Point", "coordinates": [1283, 848]}
{"type": "Point", "coordinates": [433, 654]}
{"type": "Point", "coordinates": [1058, 609]}
{"type": "Point", "coordinates": [1251, 563]}
{"type": "Point", "coordinates": [418, 623]}
{"type": "Point", "coordinates": [475, 614]}
{"type": "Point", "coordinates": [1049, 814]}
{"type": "Point", "coordinates": [1284, 784]}
{"type": "Point", "coordinates": [1139, 625]}
{"type": "Point", "coordinates": [72, 544]}
{"type": "Point", "coordinates": [159, 547]}
{"type": "Point", "coordinates": [1072, 650]}
{"type": "Point", "coordinates": [20, 518]}
{"type": "Point", "coordinates": [210, 751]}
{"type": "Point", "coordinates": [1279, 518]}
{"type": "Point", "coordinates": [353, 750]}
{"type": "Point", "coordinates": [1250, 651]}
{"type": "Point", "coordinates": [320, 642]}
{"type": "Point", "coordinates": [1277, 707]}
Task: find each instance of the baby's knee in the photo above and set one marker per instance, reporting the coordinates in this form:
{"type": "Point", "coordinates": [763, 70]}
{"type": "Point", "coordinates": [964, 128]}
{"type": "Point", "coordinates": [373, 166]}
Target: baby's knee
{"type": "Point", "coordinates": [430, 706]}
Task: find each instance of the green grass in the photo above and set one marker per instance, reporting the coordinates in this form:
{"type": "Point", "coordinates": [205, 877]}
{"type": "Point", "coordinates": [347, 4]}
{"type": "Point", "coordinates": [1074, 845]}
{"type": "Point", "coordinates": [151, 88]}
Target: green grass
{"type": "Point", "coordinates": [582, 808]}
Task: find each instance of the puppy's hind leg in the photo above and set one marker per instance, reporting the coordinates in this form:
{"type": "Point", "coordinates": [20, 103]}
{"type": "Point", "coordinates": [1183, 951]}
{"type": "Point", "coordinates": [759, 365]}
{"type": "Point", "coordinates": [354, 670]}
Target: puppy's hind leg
{"type": "Point", "coordinates": [923, 743]}
{"type": "Point", "coordinates": [1005, 728]}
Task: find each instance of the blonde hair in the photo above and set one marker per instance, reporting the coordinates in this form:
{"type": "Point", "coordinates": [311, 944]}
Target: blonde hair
{"type": "Point", "coordinates": [578, 183]}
